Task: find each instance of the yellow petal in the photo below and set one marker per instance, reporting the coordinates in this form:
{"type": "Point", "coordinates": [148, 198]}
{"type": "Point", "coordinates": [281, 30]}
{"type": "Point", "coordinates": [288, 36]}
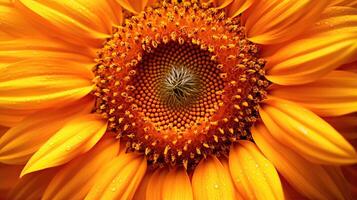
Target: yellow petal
{"type": "Point", "coordinates": [14, 50]}
{"type": "Point", "coordinates": [274, 21]}
{"type": "Point", "coordinates": [338, 19]}
{"type": "Point", "coordinates": [350, 3]}
{"type": "Point", "coordinates": [119, 178]}
{"type": "Point", "coordinates": [140, 193]}
{"type": "Point", "coordinates": [182, 186]}
{"type": "Point", "coordinates": [310, 58]}
{"type": "Point", "coordinates": [75, 179]}
{"type": "Point", "coordinates": [333, 95]}
{"type": "Point", "coordinates": [134, 6]}
{"type": "Point", "coordinates": [155, 185]}
{"type": "Point", "coordinates": [13, 24]}
{"type": "Point", "coordinates": [306, 133]}
{"type": "Point", "coordinates": [19, 143]}
{"type": "Point", "coordinates": [346, 125]}
{"type": "Point", "coordinates": [32, 186]}
{"type": "Point", "coordinates": [253, 175]}
{"type": "Point", "coordinates": [77, 22]}
{"type": "Point", "coordinates": [211, 181]}
{"type": "Point", "coordinates": [9, 177]}
{"type": "Point", "coordinates": [238, 6]}
{"type": "Point", "coordinates": [310, 179]}
{"type": "Point", "coordinates": [43, 83]}
{"type": "Point", "coordinates": [75, 138]}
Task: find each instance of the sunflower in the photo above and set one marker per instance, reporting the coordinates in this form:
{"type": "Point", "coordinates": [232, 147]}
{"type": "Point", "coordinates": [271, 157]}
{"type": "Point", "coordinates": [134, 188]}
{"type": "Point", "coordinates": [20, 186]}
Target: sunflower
{"type": "Point", "coordinates": [146, 99]}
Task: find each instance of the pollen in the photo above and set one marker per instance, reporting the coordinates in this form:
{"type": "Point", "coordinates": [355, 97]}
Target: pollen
{"type": "Point", "coordinates": [179, 82]}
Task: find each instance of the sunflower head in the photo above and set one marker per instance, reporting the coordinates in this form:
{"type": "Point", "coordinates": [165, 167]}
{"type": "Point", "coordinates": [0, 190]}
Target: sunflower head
{"type": "Point", "coordinates": [179, 82]}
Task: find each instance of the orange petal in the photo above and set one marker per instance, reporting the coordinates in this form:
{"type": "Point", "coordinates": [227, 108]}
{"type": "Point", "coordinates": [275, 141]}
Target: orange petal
{"type": "Point", "coordinates": [311, 58]}
{"type": "Point", "coordinates": [253, 175]}
{"type": "Point", "coordinates": [119, 178]}
{"type": "Point", "coordinates": [13, 24]}
{"type": "Point", "coordinates": [3, 130]}
{"type": "Point", "coordinates": [77, 22]}
{"type": "Point", "coordinates": [346, 125]}
{"type": "Point", "coordinates": [14, 50]}
{"type": "Point", "coordinates": [75, 179]}
{"type": "Point", "coordinates": [350, 3]}
{"type": "Point", "coordinates": [43, 83]}
{"type": "Point", "coordinates": [272, 22]}
{"type": "Point", "coordinates": [333, 95]}
{"type": "Point", "coordinates": [306, 133]}
{"type": "Point", "coordinates": [211, 181]}
{"type": "Point", "coordinates": [134, 6]}
{"type": "Point", "coordinates": [222, 3]}
{"type": "Point", "coordinates": [182, 186]}
{"type": "Point", "coordinates": [75, 138]}
{"type": "Point", "coordinates": [140, 193]}
{"type": "Point", "coordinates": [155, 185]}
{"type": "Point", "coordinates": [350, 173]}
{"type": "Point", "coordinates": [225, 164]}
{"type": "Point", "coordinates": [338, 19]}
{"type": "Point", "coordinates": [351, 67]}
{"type": "Point", "coordinates": [311, 180]}
{"type": "Point", "coordinates": [19, 143]}
{"type": "Point", "coordinates": [11, 117]}
{"type": "Point", "coordinates": [237, 7]}
{"type": "Point", "coordinates": [9, 177]}
{"type": "Point", "coordinates": [32, 186]}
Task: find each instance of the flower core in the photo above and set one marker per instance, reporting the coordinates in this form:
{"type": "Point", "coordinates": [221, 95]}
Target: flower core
{"type": "Point", "coordinates": [179, 82]}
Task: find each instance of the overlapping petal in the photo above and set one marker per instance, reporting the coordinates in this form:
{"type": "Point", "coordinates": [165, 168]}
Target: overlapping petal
{"type": "Point", "coordinates": [351, 3]}
{"type": "Point", "coordinates": [13, 24]}
{"type": "Point", "coordinates": [75, 138]}
{"type": "Point", "coordinates": [76, 22]}
{"type": "Point", "coordinates": [237, 7]}
{"type": "Point", "coordinates": [274, 21]}
{"type": "Point", "coordinates": [155, 185]}
{"type": "Point", "coordinates": [119, 178]}
{"type": "Point", "coordinates": [135, 6]}
{"type": "Point", "coordinates": [311, 180]}
{"type": "Point", "coordinates": [32, 186]}
{"type": "Point", "coordinates": [337, 19]}
{"type": "Point", "coordinates": [182, 186]}
{"type": "Point", "coordinates": [311, 58]}
{"type": "Point", "coordinates": [21, 141]}
{"type": "Point", "coordinates": [43, 83]}
{"type": "Point", "coordinates": [140, 193]}
{"type": "Point", "coordinates": [322, 49]}
{"type": "Point", "coordinates": [253, 175]}
{"type": "Point", "coordinates": [333, 95]}
{"type": "Point", "coordinates": [351, 67]}
{"type": "Point", "coordinates": [211, 181]}
{"type": "Point", "coordinates": [9, 177]}
{"type": "Point", "coordinates": [306, 133]}
{"type": "Point", "coordinates": [20, 49]}
{"type": "Point", "coordinates": [346, 125]}
{"type": "Point", "coordinates": [75, 179]}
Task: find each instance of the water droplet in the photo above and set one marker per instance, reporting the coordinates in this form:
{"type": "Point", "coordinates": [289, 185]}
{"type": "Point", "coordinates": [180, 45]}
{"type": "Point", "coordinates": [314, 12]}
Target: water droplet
{"type": "Point", "coordinates": [216, 186]}
{"type": "Point", "coordinates": [68, 147]}
{"type": "Point", "coordinates": [113, 189]}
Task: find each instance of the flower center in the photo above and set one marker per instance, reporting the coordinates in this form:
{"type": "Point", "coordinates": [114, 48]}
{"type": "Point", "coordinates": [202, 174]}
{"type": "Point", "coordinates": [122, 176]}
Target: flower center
{"type": "Point", "coordinates": [179, 82]}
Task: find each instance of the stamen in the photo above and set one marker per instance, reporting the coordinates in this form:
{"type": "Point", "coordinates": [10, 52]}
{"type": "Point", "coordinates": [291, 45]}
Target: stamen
{"type": "Point", "coordinates": [180, 87]}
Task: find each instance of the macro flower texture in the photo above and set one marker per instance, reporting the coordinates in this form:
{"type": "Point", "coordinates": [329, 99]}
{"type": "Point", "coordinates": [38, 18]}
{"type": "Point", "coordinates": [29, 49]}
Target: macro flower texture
{"type": "Point", "coordinates": [178, 100]}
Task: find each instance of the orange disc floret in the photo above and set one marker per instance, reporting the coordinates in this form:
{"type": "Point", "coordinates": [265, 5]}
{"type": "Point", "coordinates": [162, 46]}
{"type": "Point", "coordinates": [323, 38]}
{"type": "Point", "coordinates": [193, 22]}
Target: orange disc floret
{"type": "Point", "coordinates": [179, 82]}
